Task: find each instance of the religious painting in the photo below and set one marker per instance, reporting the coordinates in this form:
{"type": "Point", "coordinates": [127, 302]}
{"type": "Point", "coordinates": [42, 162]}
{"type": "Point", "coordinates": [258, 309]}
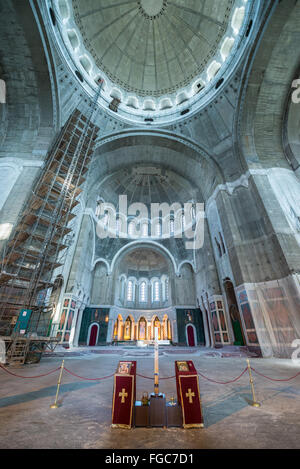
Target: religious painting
{"type": "Point", "coordinates": [212, 305]}
{"type": "Point", "coordinates": [220, 304]}
{"type": "Point", "coordinates": [182, 366]}
{"type": "Point", "coordinates": [96, 314]}
{"type": "Point", "coordinates": [252, 337]}
{"type": "Point", "coordinates": [67, 337]}
{"type": "Point", "coordinates": [70, 320]}
{"type": "Point", "coordinates": [124, 368]}
{"type": "Point", "coordinates": [215, 321]}
{"type": "Point", "coordinates": [127, 329]}
{"type": "Point", "coordinates": [243, 296]}
{"type": "Point", "coordinates": [247, 316]}
{"type": "Point", "coordinates": [189, 316]}
{"type": "Point", "coordinates": [222, 321]}
{"type": "Point", "coordinates": [66, 303]}
{"type": "Point", "coordinates": [63, 318]}
{"type": "Point", "coordinates": [142, 329]}
{"type": "Point", "coordinates": [157, 326]}
{"type": "Point", "coordinates": [73, 304]}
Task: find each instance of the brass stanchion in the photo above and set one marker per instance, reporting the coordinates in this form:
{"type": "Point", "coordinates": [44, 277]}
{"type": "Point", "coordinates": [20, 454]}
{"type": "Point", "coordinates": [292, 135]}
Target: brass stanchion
{"type": "Point", "coordinates": [55, 405]}
{"type": "Point", "coordinates": [254, 403]}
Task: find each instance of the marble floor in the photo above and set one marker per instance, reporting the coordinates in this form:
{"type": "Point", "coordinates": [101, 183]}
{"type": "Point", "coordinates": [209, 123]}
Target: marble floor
{"type": "Point", "coordinates": [84, 418]}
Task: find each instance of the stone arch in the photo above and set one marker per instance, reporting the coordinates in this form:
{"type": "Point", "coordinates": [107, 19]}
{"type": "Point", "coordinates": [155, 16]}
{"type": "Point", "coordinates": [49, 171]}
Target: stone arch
{"type": "Point", "coordinates": [260, 133]}
{"type": "Point", "coordinates": [201, 167]}
{"type": "Point", "coordinates": [144, 243]}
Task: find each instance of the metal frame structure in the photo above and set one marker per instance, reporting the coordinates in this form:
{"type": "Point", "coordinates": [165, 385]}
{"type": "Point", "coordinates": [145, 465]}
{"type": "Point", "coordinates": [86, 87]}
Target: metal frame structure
{"type": "Point", "coordinates": [39, 242]}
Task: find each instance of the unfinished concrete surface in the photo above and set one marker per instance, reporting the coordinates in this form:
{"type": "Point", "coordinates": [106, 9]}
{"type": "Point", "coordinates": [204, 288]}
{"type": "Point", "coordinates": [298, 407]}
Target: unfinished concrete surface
{"type": "Point", "coordinates": [84, 418]}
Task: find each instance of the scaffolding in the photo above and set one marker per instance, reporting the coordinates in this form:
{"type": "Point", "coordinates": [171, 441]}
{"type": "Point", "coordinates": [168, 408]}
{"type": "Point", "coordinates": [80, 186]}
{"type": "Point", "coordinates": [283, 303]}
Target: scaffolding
{"type": "Point", "coordinates": [39, 242]}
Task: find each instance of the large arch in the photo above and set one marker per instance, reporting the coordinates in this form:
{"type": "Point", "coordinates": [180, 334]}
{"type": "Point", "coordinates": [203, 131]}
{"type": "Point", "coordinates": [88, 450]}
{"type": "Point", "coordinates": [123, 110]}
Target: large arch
{"type": "Point", "coordinates": [269, 74]}
{"type": "Point", "coordinates": [143, 244]}
{"type": "Point", "coordinates": [31, 118]}
{"type": "Point", "coordinates": [159, 148]}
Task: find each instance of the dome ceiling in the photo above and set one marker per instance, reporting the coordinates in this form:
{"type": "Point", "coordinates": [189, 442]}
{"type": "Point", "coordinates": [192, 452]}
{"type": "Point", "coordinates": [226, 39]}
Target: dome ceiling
{"type": "Point", "coordinates": [158, 59]}
{"type": "Point", "coordinates": [152, 47]}
{"type": "Point", "coordinates": [147, 184]}
{"type": "Point", "coordinates": [143, 259]}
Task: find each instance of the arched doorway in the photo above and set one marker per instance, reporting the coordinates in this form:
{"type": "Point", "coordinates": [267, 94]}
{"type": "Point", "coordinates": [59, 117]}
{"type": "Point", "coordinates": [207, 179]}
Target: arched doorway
{"type": "Point", "coordinates": [191, 335]}
{"type": "Point", "coordinates": [239, 338]}
{"type": "Point", "coordinates": [93, 335]}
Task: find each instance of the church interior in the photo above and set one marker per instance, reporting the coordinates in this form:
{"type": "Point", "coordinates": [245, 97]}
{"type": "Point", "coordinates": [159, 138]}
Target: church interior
{"type": "Point", "coordinates": [149, 210]}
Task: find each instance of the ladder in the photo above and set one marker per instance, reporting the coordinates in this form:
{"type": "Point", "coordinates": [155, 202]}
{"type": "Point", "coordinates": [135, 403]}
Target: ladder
{"type": "Point", "coordinates": [18, 351]}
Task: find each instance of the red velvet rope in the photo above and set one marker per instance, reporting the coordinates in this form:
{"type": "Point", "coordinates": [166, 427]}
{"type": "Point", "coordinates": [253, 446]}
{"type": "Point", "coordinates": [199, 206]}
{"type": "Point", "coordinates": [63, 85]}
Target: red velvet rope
{"type": "Point", "coordinates": [273, 379]}
{"type": "Point", "coordinates": [29, 377]}
{"type": "Point", "coordinates": [88, 379]}
{"type": "Point", "coordinates": [224, 382]}
{"type": "Point", "coordinates": [150, 377]}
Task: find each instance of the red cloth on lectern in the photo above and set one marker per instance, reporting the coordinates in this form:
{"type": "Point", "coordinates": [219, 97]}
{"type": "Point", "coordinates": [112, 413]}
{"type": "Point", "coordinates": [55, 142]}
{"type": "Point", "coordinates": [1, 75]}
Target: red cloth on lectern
{"type": "Point", "coordinates": [190, 401]}
{"type": "Point", "coordinates": [123, 400]}
{"type": "Point", "coordinates": [191, 371]}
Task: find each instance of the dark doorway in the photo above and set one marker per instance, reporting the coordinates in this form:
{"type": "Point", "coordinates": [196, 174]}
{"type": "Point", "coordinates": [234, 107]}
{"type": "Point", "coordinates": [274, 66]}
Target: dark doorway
{"type": "Point", "coordinates": [239, 338]}
{"type": "Point", "coordinates": [191, 336]}
{"type": "Point", "coordinates": [93, 335]}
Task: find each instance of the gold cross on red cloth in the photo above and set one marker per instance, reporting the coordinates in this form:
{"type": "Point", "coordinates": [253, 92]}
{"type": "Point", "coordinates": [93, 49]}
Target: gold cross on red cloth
{"type": "Point", "coordinates": [123, 395]}
{"type": "Point", "coordinates": [190, 395]}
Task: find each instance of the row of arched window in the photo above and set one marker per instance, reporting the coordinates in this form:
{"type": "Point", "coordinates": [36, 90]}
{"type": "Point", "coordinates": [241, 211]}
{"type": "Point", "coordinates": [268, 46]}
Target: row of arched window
{"type": "Point", "coordinates": [147, 228]}
{"type": "Point", "coordinates": [156, 290]}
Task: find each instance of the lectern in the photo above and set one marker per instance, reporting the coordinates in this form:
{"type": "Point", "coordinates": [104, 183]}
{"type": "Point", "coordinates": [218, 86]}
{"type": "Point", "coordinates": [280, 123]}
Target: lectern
{"type": "Point", "coordinates": [124, 394]}
{"type": "Point", "coordinates": [188, 393]}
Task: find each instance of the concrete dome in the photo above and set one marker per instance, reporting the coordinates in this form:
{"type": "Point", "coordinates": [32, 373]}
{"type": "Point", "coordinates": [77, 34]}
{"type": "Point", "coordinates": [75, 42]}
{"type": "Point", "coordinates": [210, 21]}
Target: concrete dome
{"type": "Point", "coordinates": [152, 47]}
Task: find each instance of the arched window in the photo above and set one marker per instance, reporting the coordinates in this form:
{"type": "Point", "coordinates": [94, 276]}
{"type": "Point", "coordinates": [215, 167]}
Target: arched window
{"type": "Point", "coordinates": [183, 222]}
{"type": "Point", "coordinates": [131, 229]}
{"type": "Point", "coordinates": [122, 288]}
{"type": "Point", "coordinates": [166, 289]}
{"type": "Point", "coordinates": [143, 292]}
{"type": "Point", "coordinates": [156, 291]}
{"type": "Point", "coordinates": [172, 227]}
{"type": "Point", "coordinates": [118, 226]}
{"type": "Point", "coordinates": [144, 230]}
{"type": "Point", "coordinates": [130, 291]}
{"type": "Point", "coordinates": [158, 229]}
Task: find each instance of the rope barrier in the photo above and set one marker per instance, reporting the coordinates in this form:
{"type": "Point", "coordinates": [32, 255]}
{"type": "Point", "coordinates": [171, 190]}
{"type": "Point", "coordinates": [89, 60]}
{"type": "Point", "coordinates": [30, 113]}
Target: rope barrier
{"type": "Point", "coordinates": [273, 379]}
{"type": "Point", "coordinates": [223, 382]}
{"type": "Point", "coordinates": [29, 377]}
{"type": "Point", "coordinates": [150, 377]}
{"type": "Point", "coordinates": [88, 379]}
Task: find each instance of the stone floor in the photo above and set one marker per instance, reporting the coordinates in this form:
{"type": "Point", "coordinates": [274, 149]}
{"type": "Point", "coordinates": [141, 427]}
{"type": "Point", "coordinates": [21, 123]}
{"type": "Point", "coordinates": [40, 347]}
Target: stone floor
{"type": "Point", "coordinates": [84, 418]}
